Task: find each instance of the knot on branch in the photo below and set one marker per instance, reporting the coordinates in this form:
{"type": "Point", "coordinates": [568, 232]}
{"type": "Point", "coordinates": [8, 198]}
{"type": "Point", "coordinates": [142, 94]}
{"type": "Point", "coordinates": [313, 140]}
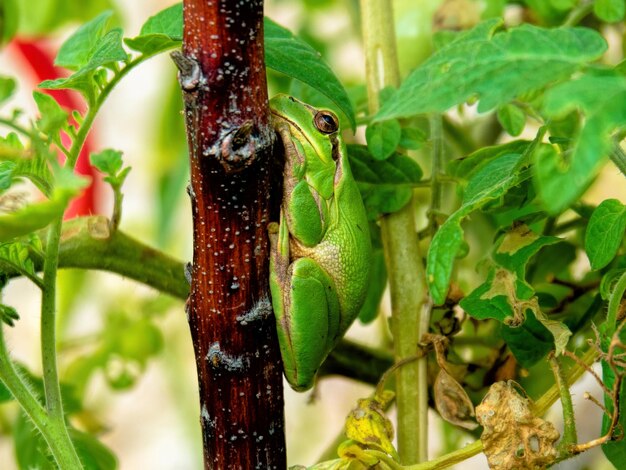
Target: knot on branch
{"type": "Point", "coordinates": [189, 71]}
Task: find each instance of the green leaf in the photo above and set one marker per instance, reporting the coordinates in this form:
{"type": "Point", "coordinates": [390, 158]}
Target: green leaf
{"type": "Point", "coordinates": [92, 453]}
{"type": "Point", "coordinates": [610, 11]}
{"type": "Point", "coordinates": [53, 117]}
{"type": "Point", "coordinates": [6, 174]}
{"type": "Point", "coordinates": [78, 49]}
{"type": "Point", "coordinates": [291, 56]}
{"type": "Point", "coordinates": [605, 232]}
{"type": "Point", "coordinates": [505, 295]}
{"type": "Point", "coordinates": [412, 138]}
{"type": "Point", "coordinates": [17, 256]}
{"type": "Point", "coordinates": [7, 88]}
{"type": "Point", "coordinates": [562, 180]}
{"type": "Point", "coordinates": [108, 161]}
{"type": "Point", "coordinates": [518, 246]}
{"type": "Point", "coordinates": [511, 63]}
{"type": "Point", "coordinates": [383, 138]}
{"type": "Point", "coordinates": [512, 119]}
{"type": "Point", "coordinates": [81, 81]}
{"type": "Point", "coordinates": [529, 342]}
{"type": "Point", "coordinates": [491, 182]}
{"type": "Point", "coordinates": [465, 167]}
{"type": "Point", "coordinates": [151, 44]}
{"type": "Point", "coordinates": [8, 315]}
{"type": "Point", "coordinates": [107, 50]}
{"type": "Point", "coordinates": [18, 165]}
{"type": "Point", "coordinates": [39, 215]}
{"type": "Point", "coordinates": [168, 22]}
{"type": "Point", "coordinates": [31, 450]}
{"type": "Point", "coordinates": [386, 186]}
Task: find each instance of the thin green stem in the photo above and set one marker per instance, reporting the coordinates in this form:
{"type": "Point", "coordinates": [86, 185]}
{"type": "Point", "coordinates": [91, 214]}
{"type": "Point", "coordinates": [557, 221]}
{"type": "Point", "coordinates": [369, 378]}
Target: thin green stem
{"type": "Point", "coordinates": [614, 303]}
{"type": "Point", "coordinates": [16, 127]}
{"type": "Point", "coordinates": [86, 124]}
{"type": "Point", "coordinates": [54, 404]}
{"type": "Point", "coordinates": [20, 391]}
{"type": "Point", "coordinates": [578, 14]}
{"type": "Point", "coordinates": [569, 420]}
{"type": "Point", "coordinates": [55, 435]}
{"type": "Point", "coordinates": [117, 208]}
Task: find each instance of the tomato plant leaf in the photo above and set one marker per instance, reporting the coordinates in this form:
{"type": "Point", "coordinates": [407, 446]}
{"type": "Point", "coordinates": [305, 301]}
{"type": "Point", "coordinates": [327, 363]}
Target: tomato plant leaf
{"type": "Point", "coordinates": [293, 57]}
{"type": "Point", "coordinates": [39, 215]}
{"type": "Point", "coordinates": [383, 138]}
{"type": "Point", "coordinates": [8, 315]}
{"type": "Point", "coordinates": [512, 119]}
{"type": "Point", "coordinates": [412, 138]}
{"type": "Point", "coordinates": [17, 256]}
{"type": "Point", "coordinates": [78, 49]}
{"type": "Point", "coordinates": [160, 32]}
{"type": "Point", "coordinates": [386, 186]}
{"type": "Point", "coordinates": [491, 182]}
{"type": "Point", "coordinates": [605, 232]}
{"type": "Point", "coordinates": [561, 180]}
{"type": "Point", "coordinates": [610, 11]}
{"type": "Point", "coordinates": [168, 22]}
{"type": "Point", "coordinates": [52, 116]}
{"type": "Point", "coordinates": [465, 167]}
{"type": "Point", "coordinates": [511, 63]}
{"type": "Point", "coordinates": [108, 161]}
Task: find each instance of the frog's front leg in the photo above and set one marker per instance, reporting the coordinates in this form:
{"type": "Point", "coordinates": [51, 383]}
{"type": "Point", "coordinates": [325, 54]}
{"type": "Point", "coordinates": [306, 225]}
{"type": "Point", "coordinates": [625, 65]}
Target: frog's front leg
{"type": "Point", "coordinates": [306, 308]}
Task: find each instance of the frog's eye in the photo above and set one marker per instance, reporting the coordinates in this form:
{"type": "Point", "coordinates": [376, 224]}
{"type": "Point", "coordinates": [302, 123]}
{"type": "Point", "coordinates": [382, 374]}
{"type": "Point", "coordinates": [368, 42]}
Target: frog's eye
{"type": "Point", "coordinates": [326, 122]}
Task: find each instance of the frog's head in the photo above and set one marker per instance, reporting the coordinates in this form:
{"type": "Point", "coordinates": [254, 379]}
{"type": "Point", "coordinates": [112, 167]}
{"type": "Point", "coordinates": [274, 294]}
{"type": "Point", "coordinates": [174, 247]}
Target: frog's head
{"type": "Point", "coordinates": [315, 136]}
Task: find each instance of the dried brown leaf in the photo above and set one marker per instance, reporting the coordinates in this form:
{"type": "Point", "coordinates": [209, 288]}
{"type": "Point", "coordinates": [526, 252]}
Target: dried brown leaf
{"type": "Point", "coordinates": [514, 438]}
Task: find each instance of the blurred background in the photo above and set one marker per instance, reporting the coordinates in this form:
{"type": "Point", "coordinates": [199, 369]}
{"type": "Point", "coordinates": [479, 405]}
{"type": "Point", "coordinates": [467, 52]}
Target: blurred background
{"type": "Point", "coordinates": [143, 404]}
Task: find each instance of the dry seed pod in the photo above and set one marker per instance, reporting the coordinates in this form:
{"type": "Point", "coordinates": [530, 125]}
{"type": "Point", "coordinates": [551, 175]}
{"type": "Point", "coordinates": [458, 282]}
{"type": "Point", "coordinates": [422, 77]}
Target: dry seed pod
{"type": "Point", "coordinates": [452, 401]}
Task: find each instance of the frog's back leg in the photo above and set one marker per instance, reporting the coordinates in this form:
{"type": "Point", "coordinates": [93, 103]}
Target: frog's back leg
{"type": "Point", "coordinates": [313, 322]}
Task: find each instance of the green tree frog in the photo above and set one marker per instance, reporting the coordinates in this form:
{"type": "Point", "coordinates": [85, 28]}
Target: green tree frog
{"type": "Point", "coordinates": [321, 248]}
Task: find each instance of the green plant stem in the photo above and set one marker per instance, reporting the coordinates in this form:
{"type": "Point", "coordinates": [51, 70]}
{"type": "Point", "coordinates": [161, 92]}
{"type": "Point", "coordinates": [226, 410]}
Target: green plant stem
{"type": "Point", "coordinates": [578, 14]}
{"type": "Point", "coordinates": [16, 127]}
{"type": "Point", "coordinates": [569, 437]}
{"type": "Point", "coordinates": [88, 243]}
{"type": "Point", "coordinates": [614, 303]}
{"type": "Point", "coordinates": [56, 436]}
{"type": "Point", "coordinates": [52, 388]}
{"type": "Point", "coordinates": [410, 309]}
{"type": "Point", "coordinates": [57, 430]}
{"type": "Point", "coordinates": [54, 404]}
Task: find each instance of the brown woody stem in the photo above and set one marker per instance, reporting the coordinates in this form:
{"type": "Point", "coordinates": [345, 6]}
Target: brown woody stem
{"type": "Point", "coordinates": [222, 75]}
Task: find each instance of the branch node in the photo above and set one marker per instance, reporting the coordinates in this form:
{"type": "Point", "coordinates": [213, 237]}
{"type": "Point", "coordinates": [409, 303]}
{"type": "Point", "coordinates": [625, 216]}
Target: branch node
{"type": "Point", "coordinates": [189, 71]}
